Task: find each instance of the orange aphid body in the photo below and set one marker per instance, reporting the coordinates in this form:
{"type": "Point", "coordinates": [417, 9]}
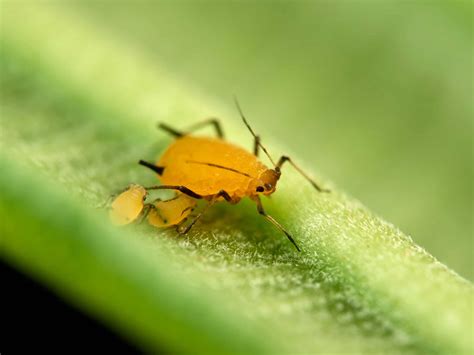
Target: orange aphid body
{"type": "Point", "coordinates": [198, 163]}
{"type": "Point", "coordinates": [203, 168]}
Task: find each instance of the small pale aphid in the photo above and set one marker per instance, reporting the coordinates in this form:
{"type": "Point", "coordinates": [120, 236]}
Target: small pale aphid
{"type": "Point", "coordinates": [170, 212]}
{"type": "Point", "coordinates": [210, 169]}
{"type": "Point", "coordinates": [128, 205]}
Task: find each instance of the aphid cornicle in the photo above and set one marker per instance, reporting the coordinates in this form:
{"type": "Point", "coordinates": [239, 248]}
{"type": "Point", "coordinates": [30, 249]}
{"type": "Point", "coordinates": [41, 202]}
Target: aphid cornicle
{"type": "Point", "coordinates": [210, 169]}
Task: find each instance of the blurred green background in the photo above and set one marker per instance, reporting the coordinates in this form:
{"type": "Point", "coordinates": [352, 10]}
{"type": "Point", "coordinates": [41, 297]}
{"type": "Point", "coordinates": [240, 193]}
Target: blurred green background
{"type": "Point", "coordinates": [374, 96]}
{"type": "Point", "coordinates": [378, 95]}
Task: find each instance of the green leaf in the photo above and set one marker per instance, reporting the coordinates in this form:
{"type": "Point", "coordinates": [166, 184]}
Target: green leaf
{"type": "Point", "coordinates": [73, 128]}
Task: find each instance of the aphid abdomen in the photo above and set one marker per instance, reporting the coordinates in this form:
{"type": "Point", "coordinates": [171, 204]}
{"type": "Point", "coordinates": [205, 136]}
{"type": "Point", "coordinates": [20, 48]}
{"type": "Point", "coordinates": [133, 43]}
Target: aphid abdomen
{"type": "Point", "coordinates": [170, 212]}
{"type": "Point", "coordinates": [128, 206]}
{"type": "Point", "coordinates": [208, 166]}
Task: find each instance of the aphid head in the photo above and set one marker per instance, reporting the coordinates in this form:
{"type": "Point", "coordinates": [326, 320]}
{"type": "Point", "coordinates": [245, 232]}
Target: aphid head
{"type": "Point", "coordinates": [266, 183]}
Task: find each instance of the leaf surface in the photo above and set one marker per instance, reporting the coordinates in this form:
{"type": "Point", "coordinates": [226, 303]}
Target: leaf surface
{"type": "Point", "coordinates": [72, 131]}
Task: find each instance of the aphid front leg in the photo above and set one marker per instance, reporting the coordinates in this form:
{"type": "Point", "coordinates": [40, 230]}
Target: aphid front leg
{"type": "Point", "coordinates": [170, 130]}
{"type": "Point", "coordinates": [284, 159]}
{"type": "Point", "coordinates": [224, 194]}
{"type": "Point", "coordinates": [273, 221]}
{"type": "Point", "coordinates": [211, 121]}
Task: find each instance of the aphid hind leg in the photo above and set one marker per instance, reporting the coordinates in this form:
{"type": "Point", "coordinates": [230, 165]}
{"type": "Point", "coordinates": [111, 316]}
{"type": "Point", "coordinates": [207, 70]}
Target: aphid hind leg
{"type": "Point", "coordinates": [224, 194]}
{"type": "Point", "coordinates": [284, 159]}
{"type": "Point", "coordinates": [211, 121]}
{"type": "Point", "coordinates": [170, 130]}
{"type": "Point", "coordinates": [273, 221]}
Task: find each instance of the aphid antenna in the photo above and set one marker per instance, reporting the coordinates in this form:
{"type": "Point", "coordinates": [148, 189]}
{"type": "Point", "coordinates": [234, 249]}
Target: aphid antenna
{"type": "Point", "coordinates": [253, 133]}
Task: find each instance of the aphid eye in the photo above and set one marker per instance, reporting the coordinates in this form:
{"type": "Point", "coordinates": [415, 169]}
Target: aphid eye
{"type": "Point", "coordinates": [260, 189]}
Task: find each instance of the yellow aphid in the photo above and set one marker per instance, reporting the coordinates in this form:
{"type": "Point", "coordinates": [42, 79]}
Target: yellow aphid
{"type": "Point", "coordinates": [170, 212]}
{"type": "Point", "coordinates": [207, 166]}
{"type": "Point", "coordinates": [210, 169]}
{"type": "Point", "coordinates": [128, 205]}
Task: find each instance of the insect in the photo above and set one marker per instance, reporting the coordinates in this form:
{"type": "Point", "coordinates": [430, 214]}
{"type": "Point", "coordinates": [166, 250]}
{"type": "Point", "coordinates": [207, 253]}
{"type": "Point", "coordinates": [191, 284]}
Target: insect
{"type": "Point", "coordinates": [130, 206]}
{"type": "Point", "coordinates": [201, 168]}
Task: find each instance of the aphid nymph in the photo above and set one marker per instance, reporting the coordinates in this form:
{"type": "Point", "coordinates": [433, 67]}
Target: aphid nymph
{"type": "Point", "coordinates": [203, 168]}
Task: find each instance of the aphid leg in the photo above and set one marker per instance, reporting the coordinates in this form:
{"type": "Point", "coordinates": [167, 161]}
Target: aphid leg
{"type": "Point", "coordinates": [256, 145]}
{"type": "Point", "coordinates": [224, 194]}
{"type": "Point", "coordinates": [182, 189]}
{"type": "Point", "coordinates": [146, 210]}
{"type": "Point", "coordinates": [170, 130]}
{"type": "Point", "coordinates": [185, 229]}
{"type": "Point", "coordinates": [148, 207]}
{"type": "Point", "coordinates": [211, 121]}
{"type": "Point", "coordinates": [273, 221]}
{"type": "Point", "coordinates": [214, 199]}
{"type": "Point", "coordinates": [284, 159]}
{"type": "Point", "coordinates": [179, 227]}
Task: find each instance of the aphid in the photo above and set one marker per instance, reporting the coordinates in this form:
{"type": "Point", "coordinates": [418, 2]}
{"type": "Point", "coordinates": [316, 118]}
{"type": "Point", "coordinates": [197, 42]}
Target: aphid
{"type": "Point", "coordinates": [170, 212]}
{"type": "Point", "coordinates": [128, 205]}
{"type": "Point", "coordinates": [210, 169]}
